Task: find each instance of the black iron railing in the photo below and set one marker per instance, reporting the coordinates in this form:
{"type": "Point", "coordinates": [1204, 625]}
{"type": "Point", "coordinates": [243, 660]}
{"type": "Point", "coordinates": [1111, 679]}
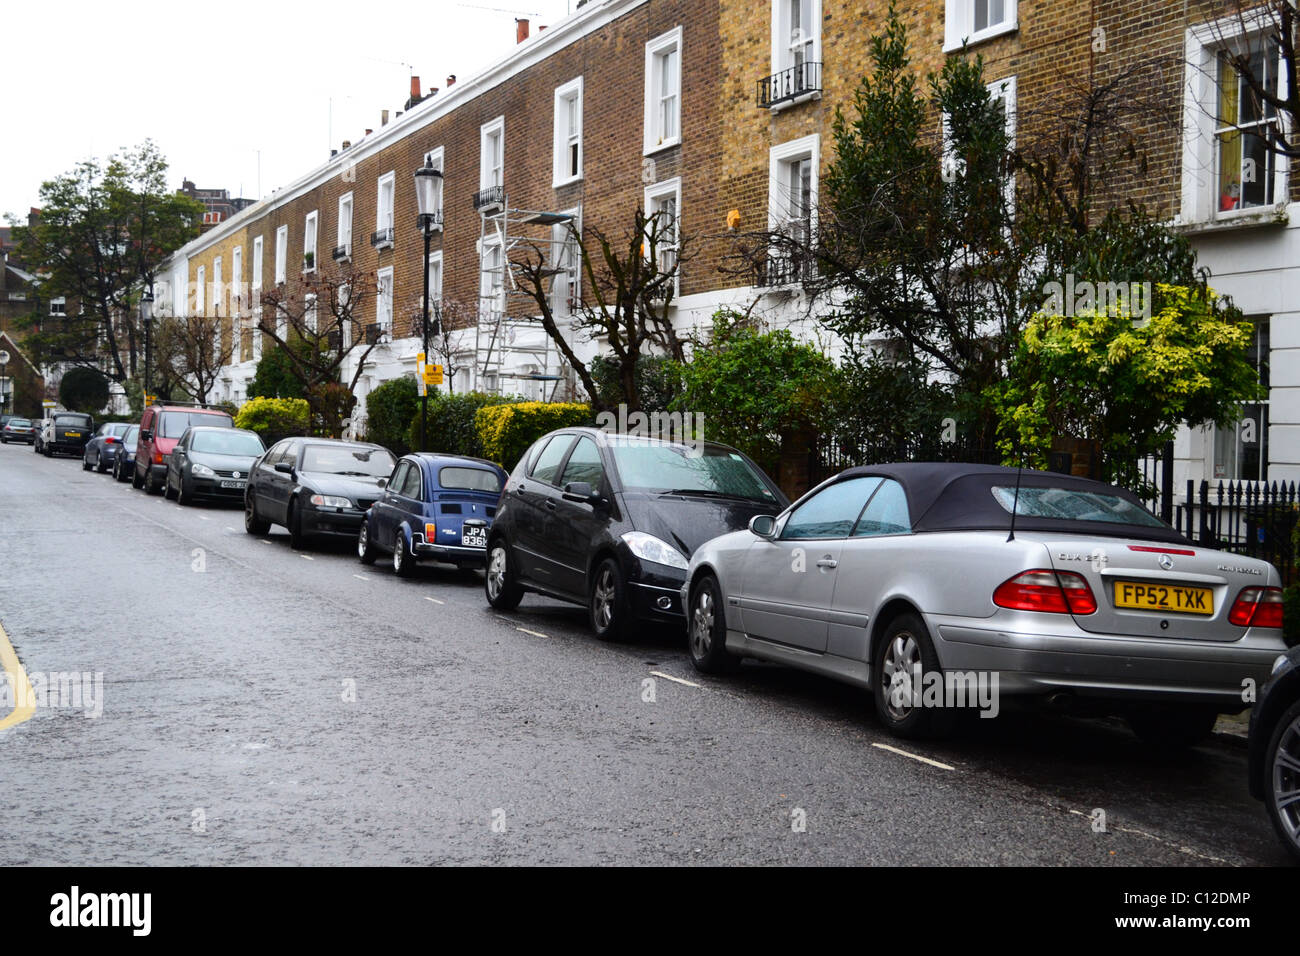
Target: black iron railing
{"type": "Point", "coordinates": [382, 237]}
{"type": "Point", "coordinates": [489, 197]}
{"type": "Point", "coordinates": [784, 270]}
{"type": "Point", "coordinates": [790, 84]}
{"type": "Point", "coordinates": [341, 252]}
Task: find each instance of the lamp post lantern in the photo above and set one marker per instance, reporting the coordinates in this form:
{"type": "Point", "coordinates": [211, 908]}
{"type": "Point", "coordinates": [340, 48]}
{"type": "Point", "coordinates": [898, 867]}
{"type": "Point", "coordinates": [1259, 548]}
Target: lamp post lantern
{"type": "Point", "coordinates": [146, 316]}
{"type": "Point", "coordinates": [427, 180]}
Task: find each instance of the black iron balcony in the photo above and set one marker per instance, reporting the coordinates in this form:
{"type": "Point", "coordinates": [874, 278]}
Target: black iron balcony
{"type": "Point", "coordinates": [383, 237]}
{"type": "Point", "coordinates": [334, 340]}
{"type": "Point", "coordinates": [790, 84]}
{"type": "Point", "coordinates": [342, 252]}
{"type": "Point", "coordinates": [784, 270]}
{"type": "Point", "coordinates": [431, 222]}
{"type": "Point", "coordinates": [375, 333]}
{"type": "Point", "coordinates": [493, 196]}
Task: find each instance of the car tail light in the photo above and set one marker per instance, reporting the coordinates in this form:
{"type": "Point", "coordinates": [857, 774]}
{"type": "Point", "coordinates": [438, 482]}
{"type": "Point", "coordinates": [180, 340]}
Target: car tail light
{"type": "Point", "coordinates": [110, 441]}
{"type": "Point", "coordinates": [157, 458]}
{"type": "Point", "coordinates": [1056, 592]}
{"type": "Point", "coordinates": [431, 533]}
{"type": "Point", "coordinates": [1257, 607]}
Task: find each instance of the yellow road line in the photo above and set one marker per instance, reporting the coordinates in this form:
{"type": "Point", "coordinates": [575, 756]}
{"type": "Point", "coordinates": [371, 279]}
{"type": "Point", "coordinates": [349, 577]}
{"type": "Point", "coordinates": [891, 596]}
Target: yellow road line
{"type": "Point", "coordinates": [24, 699]}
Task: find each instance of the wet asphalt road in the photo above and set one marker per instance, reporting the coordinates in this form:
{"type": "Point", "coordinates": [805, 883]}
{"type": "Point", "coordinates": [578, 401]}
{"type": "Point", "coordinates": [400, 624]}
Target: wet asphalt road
{"type": "Point", "coordinates": [262, 705]}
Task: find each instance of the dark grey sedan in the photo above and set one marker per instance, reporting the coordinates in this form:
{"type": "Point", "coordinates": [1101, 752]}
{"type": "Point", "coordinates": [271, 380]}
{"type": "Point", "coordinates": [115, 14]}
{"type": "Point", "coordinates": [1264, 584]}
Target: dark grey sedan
{"type": "Point", "coordinates": [102, 450]}
{"type": "Point", "coordinates": [211, 462]}
{"type": "Point", "coordinates": [1275, 749]}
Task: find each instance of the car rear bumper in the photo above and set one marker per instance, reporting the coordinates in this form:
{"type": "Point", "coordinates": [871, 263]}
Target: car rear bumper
{"type": "Point", "coordinates": [1117, 667]}
{"type": "Point", "coordinates": [451, 553]}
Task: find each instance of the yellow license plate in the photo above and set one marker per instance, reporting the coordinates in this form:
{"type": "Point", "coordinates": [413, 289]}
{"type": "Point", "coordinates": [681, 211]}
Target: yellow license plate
{"type": "Point", "coordinates": [72, 434]}
{"type": "Point", "coordinates": [1166, 598]}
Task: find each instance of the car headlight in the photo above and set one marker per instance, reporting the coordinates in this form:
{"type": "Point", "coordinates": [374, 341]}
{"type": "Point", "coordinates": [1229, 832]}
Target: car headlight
{"type": "Point", "coordinates": [330, 501]}
{"type": "Point", "coordinates": [203, 471]}
{"type": "Point", "coordinates": [649, 548]}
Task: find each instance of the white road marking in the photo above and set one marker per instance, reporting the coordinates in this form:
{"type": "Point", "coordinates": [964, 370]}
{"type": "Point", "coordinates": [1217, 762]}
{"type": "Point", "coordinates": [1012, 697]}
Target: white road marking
{"type": "Point", "coordinates": [904, 753]}
{"type": "Point", "coordinates": [526, 631]}
{"type": "Point", "coordinates": [435, 600]}
{"type": "Point", "coordinates": [675, 680]}
{"type": "Point", "coordinates": [264, 541]}
{"type": "Point", "coordinates": [231, 530]}
{"type": "Point", "coordinates": [201, 518]}
{"type": "Point", "coordinates": [306, 557]}
{"type": "Point", "coordinates": [362, 577]}
{"type": "Point", "coordinates": [1150, 836]}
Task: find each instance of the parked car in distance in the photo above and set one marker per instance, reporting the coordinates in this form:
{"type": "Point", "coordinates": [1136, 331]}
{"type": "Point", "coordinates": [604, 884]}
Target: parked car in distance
{"type": "Point", "coordinates": [315, 487]}
{"type": "Point", "coordinates": [18, 429]}
{"type": "Point", "coordinates": [102, 449]}
{"type": "Point", "coordinates": [124, 463]}
{"type": "Point", "coordinates": [161, 427]}
{"type": "Point", "coordinates": [610, 521]}
{"type": "Point", "coordinates": [210, 462]}
{"type": "Point", "coordinates": [65, 432]}
{"type": "Point", "coordinates": [1274, 756]}
{"type": "Point", "coordinates": [905, 571]}
{"type": "Point", "coordinates": [433, 507]}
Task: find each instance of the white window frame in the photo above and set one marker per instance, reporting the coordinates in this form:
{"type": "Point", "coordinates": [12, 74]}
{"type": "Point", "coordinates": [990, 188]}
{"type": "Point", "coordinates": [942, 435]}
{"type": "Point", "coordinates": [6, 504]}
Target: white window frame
{"type": "Point", "coordinates": [343, 229]}
{"type": "Point", "coordinates": [959, 24]}
{"type": "Point", "coordinates": [435, 158]}
{"type": "Point", "coordinates": [281, 254]}
{"type": "Point", "coordinates": [434, 267]}
{"type": "Point", "coordinates": [487, 171]}
{"type": "Point", "coordinates": [384, 209]}
{"type": "Point", "coordinates": [566, 287]}
{"type": "Point", "coordinates": [200, 281]}
{"type": "Point", "coordinates": [310, 231]}
{"type": "Point", "coordinates": [783, 46]}
{"type": "Point", "coordinates": [669, 187]}
{"type": "Point", "coordinates": [59, 301]}
{"type": "Point", "coordinates": [654, 52]}
{"type": "Point", "coordinates": [384, 301]}
{"type": "Point", "coordinates": [564, 138]}
{"type": "Point", "coordinates": [491, 285]}
{"type": "Point", "coordinates": [237, 278]}
{"type": "Point", "coordinates": [255, 296]}
{"type": "Point", "coordinates": [1200, 170]}
{"type": "Point", "coordinates": [780, 158]}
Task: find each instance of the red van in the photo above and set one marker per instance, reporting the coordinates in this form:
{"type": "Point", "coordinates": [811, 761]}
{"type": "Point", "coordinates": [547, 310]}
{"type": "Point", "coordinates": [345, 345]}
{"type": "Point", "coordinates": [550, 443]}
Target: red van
{"type": "Point", "coordinates": [161, 427]}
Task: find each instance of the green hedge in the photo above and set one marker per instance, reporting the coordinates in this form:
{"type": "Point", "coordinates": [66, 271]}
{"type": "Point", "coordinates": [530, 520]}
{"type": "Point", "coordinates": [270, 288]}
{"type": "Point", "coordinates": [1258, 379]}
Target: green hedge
{"type": "Point", "coordinates": [451, 422]}
{"type": "Point", "coordinates": [506, 431]}
{"type": "Point", "coordinates": [388, 413]}
{"type": "Point", "coordinates": [274, 418]}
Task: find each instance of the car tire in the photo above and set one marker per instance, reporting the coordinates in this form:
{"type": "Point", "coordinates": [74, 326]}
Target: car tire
{"type": "Point", "coordinates": [100, 467]}
{"type": "Point", "coordinates": [1172, 728]}
{"type": "Point", "coordinates": [85, 465]}
{"type": "Point", "coordinates": [1280, 759]}
{"type": "Point", "coordinates": [905, 643]}
{"type": "Point", "coordinates": [168, 492]}
{"type": "Point", "coordinates": [151, 487]}
{"type": "Point", "coordinates": [366, 552]}
{"type": "Point", "coordinates": [253, 522]}
{"type": "Point", "coordinates": [293, 521]}
{"type": "Point", "coordinates": [501, 582]}
{"type": "Point", "coordinates": [607, 603]}
{"type": "Point", "coordinates": [184, 494]}
{"type": "Point", "coordinates": [403, 563]}
{"type": "Point", "coordinates": [706, 624]}
{"type": "Point", "coordinates": [137, 480]}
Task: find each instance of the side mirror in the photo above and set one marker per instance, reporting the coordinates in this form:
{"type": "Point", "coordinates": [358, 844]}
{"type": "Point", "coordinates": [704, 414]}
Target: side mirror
{"type": "Point", "coordinates": [146, 434]}
{"type": "Point", "coordinates": [763, 525]}
{"type": "Point", "coordinates": [383, 482]}
{"type": "Point", "coordinates": [284, 467]}
{"type": "Point", "coordinates": [581, 491]}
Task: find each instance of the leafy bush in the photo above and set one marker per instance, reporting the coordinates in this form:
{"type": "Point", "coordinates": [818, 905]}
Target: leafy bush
{"type": "Point", "coordinates": [83, 390]}
{"type": "Point", "coordinates": [388, 413]}
{"type": "Point", "coordinates": [657, 382]}
{"type": "Point", "coordinates": [274, 418]}
{"type": "Point", "coordinates": [451, 423]}
{"type": "Point", "coordinates": [506, 431]}
{"type": "Point", "coordinates": [274, 377]}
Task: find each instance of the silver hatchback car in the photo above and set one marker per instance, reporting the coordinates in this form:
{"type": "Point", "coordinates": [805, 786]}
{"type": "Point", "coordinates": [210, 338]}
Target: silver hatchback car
{"type": "Point", "coordinates": [915, 581]}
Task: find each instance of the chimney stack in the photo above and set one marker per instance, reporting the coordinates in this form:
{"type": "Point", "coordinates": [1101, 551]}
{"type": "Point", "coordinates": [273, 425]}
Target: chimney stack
{"type": "Point", "coordinates": [347, 144]}
{"type": "Point", "coordinates": [415, 89]}
{"type": "Point", "coordinates": [521, 30]}
{"type": "Point", "coordinates": [451, 81]}
{"type": "Point", "coordinates": [368, 132]}
{"type": "Point", "coordinates": [383, 117]}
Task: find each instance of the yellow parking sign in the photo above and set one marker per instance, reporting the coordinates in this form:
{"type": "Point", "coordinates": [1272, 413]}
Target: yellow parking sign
{"type": "Point", "coordinates": [433, 375]}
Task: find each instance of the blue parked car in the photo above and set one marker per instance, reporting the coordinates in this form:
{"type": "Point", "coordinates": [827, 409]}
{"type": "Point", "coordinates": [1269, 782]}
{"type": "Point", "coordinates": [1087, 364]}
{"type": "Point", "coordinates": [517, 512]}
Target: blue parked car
{"type": "Point", "coordinates": [434, 507]}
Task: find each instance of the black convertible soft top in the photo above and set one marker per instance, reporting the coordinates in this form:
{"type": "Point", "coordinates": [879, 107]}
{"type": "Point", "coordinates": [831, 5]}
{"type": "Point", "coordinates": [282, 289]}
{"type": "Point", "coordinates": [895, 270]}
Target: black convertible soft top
{"type": "Point", "coordinates": [948, 496]}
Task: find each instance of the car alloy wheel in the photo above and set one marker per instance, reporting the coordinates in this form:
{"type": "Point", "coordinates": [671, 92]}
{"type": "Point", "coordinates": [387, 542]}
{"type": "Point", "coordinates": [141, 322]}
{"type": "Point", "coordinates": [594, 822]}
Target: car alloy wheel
{"type": "Point", "coordinates": [902, 659]}
{"type": "Point", "coordinates": [297, 540]}
{"type": "Point", "coordinates": [253, 522]}
{"type": "Point", "coordinates": [503, 591]}
{"type": "Point", "coordinates": [904, 655]}
{"type": "Point", "coordinates": [365, 551]}
{"type": "Point", "coordinates": [708, 631]}
{"type": "Point", "coordinates": [1282, 763]}
{"type": "Point", "coordinates": [608, 604]}
{"type": "Point", "coordinates": [403, 563]}
{"type": "Point", "coordinates": [85, 463]}
{"type": "Point", "coordinates": [183, 496]}
{"type": "Point", "coordinates": [170, 493]}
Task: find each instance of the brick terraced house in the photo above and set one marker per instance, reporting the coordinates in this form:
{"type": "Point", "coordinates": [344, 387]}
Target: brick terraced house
{"type": "Point", "coordinates": [721, 118]}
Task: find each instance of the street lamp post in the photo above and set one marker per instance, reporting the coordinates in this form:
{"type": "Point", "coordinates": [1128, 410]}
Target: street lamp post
{"type": "Point", "coordinates": [4, 381]}
{"type": "Point", "coordinates": [146, 316]}
{"type": "Point", "coordinates": [426, 195]}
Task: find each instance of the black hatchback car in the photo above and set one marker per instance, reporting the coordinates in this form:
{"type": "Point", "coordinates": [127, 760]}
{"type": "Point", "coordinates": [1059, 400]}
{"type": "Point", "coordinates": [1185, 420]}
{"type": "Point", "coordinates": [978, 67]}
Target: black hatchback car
{"type": "Point", "coordinates": [315, 486]}
{"type": "Point", "coordinates": [611, 521]}
{"type": "Point", "coordinates": [211, 462]}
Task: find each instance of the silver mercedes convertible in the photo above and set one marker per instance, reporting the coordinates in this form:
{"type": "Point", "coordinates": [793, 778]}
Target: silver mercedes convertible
{"type": "Point", "coordinates": [948, 586]}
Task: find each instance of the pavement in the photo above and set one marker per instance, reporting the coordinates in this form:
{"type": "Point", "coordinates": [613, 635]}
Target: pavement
{"type": "Point", "coordinates": [258, 705]}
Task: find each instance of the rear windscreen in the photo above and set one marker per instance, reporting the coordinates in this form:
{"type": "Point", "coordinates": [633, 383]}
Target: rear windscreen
{"type": "Point", "coordinates": [173, 424]}
{"type": "Point", "coordinates": [1070, 504]}
{"type": "Point", "coordinates": [470, 479]}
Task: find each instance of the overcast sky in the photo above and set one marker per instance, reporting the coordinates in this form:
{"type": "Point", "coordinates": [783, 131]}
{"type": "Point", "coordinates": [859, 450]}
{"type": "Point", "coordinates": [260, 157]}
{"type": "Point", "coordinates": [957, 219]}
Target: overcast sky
{"type": "Point", "coordinates": [215, 84]}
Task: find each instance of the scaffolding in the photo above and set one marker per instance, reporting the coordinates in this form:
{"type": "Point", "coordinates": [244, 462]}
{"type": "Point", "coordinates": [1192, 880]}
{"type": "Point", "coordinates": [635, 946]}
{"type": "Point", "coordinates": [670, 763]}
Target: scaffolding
{"type": "Point", "coordinates": [500, 337]}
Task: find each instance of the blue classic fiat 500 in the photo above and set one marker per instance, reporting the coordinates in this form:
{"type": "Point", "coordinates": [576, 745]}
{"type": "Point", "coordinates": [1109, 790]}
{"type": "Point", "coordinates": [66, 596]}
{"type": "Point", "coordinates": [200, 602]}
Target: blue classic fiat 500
{"type": "Point", "coordinates": [433, 507]}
